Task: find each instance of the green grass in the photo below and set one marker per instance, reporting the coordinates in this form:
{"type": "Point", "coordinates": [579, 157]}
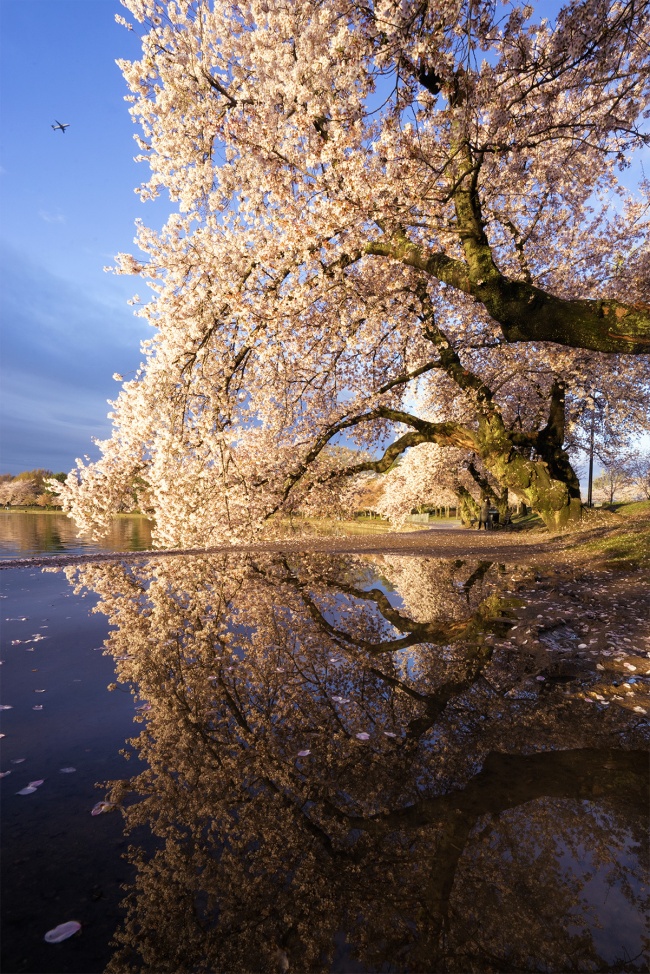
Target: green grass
{"type": "Point", "coordinates": [528, 522]}
{"type": "Point", "coordinates": [631, 509]}
{"type": "Point", "coordinates": [624, 550]}
{"type": "Point", "coordinates": [629, 545]}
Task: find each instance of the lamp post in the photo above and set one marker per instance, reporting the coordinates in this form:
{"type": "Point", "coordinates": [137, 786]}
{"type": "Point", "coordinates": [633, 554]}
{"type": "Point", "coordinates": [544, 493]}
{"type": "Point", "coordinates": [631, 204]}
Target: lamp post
{"type": "Point", "coordinates": [591, 457]}
{"type": "Point", "coordinates": [595, 404]}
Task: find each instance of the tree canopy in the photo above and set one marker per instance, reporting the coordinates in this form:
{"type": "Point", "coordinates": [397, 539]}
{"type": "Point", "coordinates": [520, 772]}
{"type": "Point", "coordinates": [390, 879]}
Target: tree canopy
{"type": "Point", "coordinates": [397, 222]}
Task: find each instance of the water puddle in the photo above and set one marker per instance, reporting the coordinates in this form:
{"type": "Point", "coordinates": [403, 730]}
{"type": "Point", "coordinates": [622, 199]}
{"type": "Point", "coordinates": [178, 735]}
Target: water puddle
{"type": "Point", "coordinates": [334, 763]}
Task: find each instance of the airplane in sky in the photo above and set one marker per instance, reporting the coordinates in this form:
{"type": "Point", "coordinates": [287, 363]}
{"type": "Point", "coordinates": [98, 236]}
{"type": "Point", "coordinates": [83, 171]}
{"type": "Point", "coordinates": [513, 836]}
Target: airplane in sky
{"type": "Point", "coordinates": [61, 125]}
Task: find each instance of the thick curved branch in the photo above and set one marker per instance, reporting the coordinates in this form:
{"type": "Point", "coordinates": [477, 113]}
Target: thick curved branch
{"type": "Point", "coordinates": [445, 434]}
{"type": "Point", "coordinates": [527, 313]}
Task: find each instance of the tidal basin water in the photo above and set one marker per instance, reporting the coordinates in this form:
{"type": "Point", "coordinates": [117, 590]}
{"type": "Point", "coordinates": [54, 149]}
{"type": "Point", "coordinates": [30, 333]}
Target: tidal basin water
{"type": "Point", "coordinates": [25, 533]}
{"type": "Point", "coordinates": [326, 763]}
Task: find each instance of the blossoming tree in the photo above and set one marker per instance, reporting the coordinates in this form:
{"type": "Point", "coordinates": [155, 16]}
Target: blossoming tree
{"type": "Point", "coordinates": [396, 222]}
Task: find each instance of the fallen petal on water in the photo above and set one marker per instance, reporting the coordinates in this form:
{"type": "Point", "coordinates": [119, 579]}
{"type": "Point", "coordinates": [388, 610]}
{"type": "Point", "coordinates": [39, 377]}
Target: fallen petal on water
{"type": "Point", "coordinates": [6, 706]}
{"type": "Point", "coordinates": [26, 791]}
{"type": "Point", "coordinates": [282, 959]}
{"type": "Point", "coordinates": [17, 760]}
{"type": "Point", "coordinates": [35, 784]}
{"type": "Point", "coordinates": [390, 734]}
{"type": "Point", "coordinates": [143, 706]}
{"type": "Point", "coordinates": [38, 706]}
{"type": "Point", "coordinates": [363, 736]}
{"type": "Point", "coordinates": [102, 807]}
{"type": "Point", "coordinates": [303, 754]}
{"type": "Point", "coordinates": [3, 774]}
{"type": "Point", "coordinates": [67, 770]}
{"type": "Point", "coordinates": [62, 932]}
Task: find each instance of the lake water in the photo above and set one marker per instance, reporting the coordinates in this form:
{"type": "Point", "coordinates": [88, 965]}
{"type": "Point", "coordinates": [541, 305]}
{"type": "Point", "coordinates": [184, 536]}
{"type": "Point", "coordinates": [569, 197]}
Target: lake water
{"type": "Point", "coordinates": [25, 533]}
{"type": "Point", "coordinates": [340, 763]}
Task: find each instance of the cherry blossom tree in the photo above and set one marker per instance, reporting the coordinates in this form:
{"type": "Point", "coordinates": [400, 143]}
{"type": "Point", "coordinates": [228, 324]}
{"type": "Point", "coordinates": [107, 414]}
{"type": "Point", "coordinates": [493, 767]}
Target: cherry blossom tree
{"type": "Point", "coordinates": [615, 480]}
{"type": "Point", "coordinates": [400, 223]}
{"type": "Point", "coordinates": [641, 474]}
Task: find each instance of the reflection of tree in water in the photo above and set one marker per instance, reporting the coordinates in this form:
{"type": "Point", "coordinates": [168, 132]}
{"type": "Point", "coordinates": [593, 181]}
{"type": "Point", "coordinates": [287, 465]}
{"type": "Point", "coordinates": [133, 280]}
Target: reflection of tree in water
{"type": "Point", "coordinates": [438, 842]}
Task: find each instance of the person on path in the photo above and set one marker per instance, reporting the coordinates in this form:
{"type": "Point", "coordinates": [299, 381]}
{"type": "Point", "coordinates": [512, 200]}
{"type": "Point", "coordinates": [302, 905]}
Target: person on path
{"type": "Point", "coordinates": [484, 515]}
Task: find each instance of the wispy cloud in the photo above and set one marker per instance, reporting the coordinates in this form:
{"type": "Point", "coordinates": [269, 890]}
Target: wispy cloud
{"type": "Point", "coordinates": [51, 217]}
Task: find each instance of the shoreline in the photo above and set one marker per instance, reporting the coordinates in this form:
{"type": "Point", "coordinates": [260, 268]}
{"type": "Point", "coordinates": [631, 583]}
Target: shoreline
{"type": "Point", "coordinates": [432, 543]}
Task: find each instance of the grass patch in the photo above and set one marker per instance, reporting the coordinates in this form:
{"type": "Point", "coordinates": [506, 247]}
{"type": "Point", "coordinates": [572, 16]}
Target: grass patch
{"type": "Point", "coordinates": [631, 508]}
{"type": "Point", "coordinates": [627, 549]}
{"type": "Point", "coordinates": [528, 522]}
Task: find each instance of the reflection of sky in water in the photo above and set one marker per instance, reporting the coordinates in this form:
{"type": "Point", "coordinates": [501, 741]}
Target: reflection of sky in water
{"type": "Point", "coordinates": [348, 806]}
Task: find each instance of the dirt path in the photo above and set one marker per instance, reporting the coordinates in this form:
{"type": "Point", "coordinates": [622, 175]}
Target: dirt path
{"type": "Point", "coordinates": [448, 543]}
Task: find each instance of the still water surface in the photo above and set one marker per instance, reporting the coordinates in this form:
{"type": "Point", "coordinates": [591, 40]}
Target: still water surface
{"type": "Point", "coordinates": [340, 764]}
{"type": "Point", "coordinates": [26, 533]}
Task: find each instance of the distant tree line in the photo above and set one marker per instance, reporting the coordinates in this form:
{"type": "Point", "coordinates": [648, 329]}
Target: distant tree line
{"type": "Point", "coordinates": [624, 478]}
{"type": "Point", "coordinates": [29, 489]}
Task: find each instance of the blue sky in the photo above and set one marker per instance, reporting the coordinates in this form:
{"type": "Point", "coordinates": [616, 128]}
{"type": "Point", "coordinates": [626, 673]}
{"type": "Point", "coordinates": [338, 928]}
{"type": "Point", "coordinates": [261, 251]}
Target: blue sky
{"type": "Point", "coordinates": [67, 206]}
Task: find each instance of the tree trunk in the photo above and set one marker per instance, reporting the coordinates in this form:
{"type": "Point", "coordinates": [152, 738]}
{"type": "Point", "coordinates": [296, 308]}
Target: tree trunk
{"type": "Point", "coordinates": [544, 478]}
{"type": "Point", "coordinates": [467, 507]}
{"type": "Point", "coordinates": [548, 496]}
